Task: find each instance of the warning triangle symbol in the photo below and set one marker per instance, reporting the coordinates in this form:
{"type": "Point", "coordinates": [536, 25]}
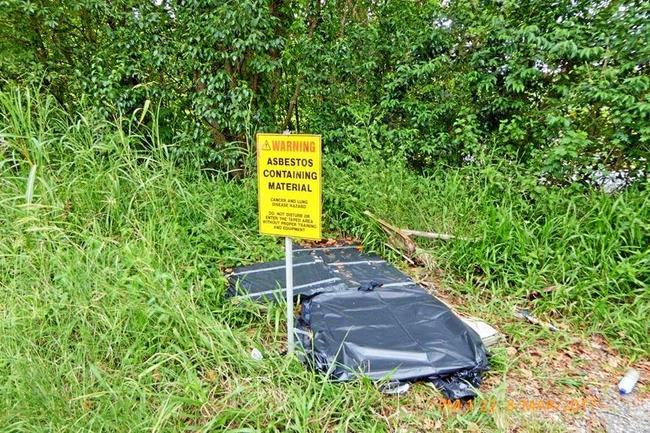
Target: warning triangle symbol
{"type": "Point", "coordinates": [266, 145]}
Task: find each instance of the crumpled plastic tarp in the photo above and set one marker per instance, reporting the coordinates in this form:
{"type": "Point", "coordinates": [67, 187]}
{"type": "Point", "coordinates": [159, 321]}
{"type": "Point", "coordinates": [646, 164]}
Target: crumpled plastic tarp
{"type": "Point", "coordinates": [360, 315]}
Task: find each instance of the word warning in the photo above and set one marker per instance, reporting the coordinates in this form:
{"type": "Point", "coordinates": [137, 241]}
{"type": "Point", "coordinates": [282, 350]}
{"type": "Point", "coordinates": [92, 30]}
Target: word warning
{"type": "Point", "coordinates": [289, 185]}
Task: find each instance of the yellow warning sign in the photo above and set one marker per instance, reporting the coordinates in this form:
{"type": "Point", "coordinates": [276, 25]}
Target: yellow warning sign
{"type": "Point", "coordinates": [289, 184]}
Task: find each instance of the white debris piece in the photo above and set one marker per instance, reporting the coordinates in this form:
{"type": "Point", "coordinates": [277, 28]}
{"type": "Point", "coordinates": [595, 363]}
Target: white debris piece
{"type": "Point", "coordinates": [488, 334]}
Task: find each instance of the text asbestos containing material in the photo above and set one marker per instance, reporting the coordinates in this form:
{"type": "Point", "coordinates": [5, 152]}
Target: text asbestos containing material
{"type": "Point", "coordinates": [289, 171]}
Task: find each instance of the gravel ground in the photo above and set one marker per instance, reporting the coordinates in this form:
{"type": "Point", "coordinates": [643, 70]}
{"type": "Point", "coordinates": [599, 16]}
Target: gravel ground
{"type": "Point", "coordinates": [623, 414]}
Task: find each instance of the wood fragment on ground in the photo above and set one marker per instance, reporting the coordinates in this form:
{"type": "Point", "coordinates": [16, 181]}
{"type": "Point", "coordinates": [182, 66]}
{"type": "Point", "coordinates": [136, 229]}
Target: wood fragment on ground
{"type": "Point", "coordinates": [429, 235]}
{"type": "Point", "coordinates": [401, 240]}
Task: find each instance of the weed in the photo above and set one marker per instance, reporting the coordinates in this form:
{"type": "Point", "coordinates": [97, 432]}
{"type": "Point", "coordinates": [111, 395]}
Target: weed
{"type": "Point", "coordinates": [113, 314]}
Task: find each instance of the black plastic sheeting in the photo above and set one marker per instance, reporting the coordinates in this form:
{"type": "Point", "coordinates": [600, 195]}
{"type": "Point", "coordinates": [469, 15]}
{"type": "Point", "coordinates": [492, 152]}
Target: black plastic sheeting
{"type": "Point", "coordinates": [315, 270]}
{"type": "Point", "coordinates": [362, 316]}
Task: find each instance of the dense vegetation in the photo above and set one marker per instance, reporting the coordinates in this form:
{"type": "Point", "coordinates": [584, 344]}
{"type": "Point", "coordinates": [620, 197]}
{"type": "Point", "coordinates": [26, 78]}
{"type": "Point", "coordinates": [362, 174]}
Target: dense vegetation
{"type": "Point", "coordinates": [126, 188]}
{"type": "Point", "coordinates": [113, 315]}
{"type": "Point", "coordinates": [559, 87]}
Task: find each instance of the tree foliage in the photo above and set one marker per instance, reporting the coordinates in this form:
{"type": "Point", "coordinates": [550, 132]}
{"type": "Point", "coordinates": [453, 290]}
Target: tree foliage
{"type": "Point", "coordinates": [561, 87]}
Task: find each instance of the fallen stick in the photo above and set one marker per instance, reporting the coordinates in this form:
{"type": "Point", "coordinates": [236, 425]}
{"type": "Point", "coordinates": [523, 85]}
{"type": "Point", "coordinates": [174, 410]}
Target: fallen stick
{"type": "Point", "coordinates": [401, 241]}
{"type": "Point", "coordinates": [429, 235]}
{"type": "Point", "coordinates": [405, 233]}
{"type": "Point", "coordinates": [407, 258]}
{"type": "Point", "coordinates": [396, 236]}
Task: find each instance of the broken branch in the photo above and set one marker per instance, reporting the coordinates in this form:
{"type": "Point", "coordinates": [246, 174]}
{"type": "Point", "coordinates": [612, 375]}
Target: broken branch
{"type": "Point", "coordinates": [429, 235]}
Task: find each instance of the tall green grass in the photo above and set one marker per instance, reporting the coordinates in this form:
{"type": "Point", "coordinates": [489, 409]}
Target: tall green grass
{"type": "Point", "coordinates": [112, 308]}
{"type": "Point", "coordinates": [112, 311]}
{"type": "Point", "coordinates": [589, 249]}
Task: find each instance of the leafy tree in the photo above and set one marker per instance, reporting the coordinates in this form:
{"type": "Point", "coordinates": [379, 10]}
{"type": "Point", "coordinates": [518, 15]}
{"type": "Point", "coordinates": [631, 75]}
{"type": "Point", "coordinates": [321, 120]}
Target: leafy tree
{"type": "Point", "coordinates": [561, 88]}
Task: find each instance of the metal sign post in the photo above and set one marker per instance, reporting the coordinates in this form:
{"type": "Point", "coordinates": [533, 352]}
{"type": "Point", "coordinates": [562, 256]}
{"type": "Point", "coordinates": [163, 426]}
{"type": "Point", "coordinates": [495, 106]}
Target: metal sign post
{"type": "Point", "coordinates": [288, 257]}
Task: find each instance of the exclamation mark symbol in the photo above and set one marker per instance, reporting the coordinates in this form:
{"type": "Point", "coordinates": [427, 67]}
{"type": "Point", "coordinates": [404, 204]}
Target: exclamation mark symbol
{"type": "Point", "coordinates": [266, 145]}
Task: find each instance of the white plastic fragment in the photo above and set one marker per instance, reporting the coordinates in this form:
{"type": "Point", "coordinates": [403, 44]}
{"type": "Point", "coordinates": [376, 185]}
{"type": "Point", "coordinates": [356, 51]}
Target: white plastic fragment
{"type": "Point", "coordinates": [488, 334]}
{"type": "Point", "coordinates": [256, 355]}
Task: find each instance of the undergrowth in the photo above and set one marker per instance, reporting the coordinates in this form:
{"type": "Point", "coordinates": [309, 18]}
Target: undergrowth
{"type": "Point", "coordinates": [112, 307]}
{"type": "Point", "coordinates": [584, 255]}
